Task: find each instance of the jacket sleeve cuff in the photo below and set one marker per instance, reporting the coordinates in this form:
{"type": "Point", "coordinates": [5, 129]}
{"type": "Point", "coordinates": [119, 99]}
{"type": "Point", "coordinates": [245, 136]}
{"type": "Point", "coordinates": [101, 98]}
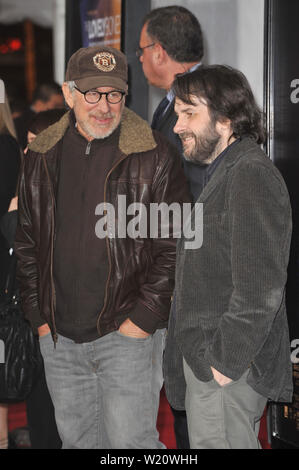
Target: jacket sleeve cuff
{"type": "Point", "coordinates": [35, 320]}
{"type": "Point", "coordinates": [229, 372]}
{"type": "Point", "coordinates": [144, 318]}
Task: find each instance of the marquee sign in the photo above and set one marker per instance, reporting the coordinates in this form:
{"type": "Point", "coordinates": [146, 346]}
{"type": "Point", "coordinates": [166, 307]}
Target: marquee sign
{"type": "Point", "coordinates": [101, 22]}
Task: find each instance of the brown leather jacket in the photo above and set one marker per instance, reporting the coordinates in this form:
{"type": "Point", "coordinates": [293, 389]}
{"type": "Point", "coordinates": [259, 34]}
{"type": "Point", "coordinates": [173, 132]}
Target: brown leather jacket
{"type": "Point", "coordinates": [141, 271]}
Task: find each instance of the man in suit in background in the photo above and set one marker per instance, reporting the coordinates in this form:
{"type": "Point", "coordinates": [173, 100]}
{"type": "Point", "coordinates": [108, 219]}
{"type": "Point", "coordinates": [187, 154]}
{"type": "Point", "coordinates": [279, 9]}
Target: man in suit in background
{"type": "Point", "coordinates": [165, 52]}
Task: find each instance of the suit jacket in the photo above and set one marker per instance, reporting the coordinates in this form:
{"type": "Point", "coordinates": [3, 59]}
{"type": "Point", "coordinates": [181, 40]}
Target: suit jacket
{"type": "Point", "coordinates": [165, 124]}
{"type": "Point", "coordinates": [230, 292]}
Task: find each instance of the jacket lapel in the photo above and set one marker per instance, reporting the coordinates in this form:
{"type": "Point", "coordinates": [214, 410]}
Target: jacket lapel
{"type": "Point", "coordinates": [167, 116]}
{"type": "Point", "coordinates": [233, 154]}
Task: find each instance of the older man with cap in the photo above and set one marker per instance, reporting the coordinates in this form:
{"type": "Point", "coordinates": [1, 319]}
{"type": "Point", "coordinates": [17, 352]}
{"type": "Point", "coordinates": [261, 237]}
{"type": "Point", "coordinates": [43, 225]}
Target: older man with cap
{"type": "Point", "coordinates": [98, 300]}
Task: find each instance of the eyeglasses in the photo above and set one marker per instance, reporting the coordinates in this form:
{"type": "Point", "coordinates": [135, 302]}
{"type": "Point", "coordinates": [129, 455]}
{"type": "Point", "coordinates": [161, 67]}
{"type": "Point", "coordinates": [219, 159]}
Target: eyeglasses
{"type": "Point", "coordinates": [139, 50]}
{"type": "Point", "coordinates": [94, 96]}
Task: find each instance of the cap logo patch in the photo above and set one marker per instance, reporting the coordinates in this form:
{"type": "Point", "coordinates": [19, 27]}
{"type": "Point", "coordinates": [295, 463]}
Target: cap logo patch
{"type": "Point", "coordinates": [104, 61]}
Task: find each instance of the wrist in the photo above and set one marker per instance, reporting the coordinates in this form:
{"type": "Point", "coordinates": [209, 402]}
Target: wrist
{"type": "Point", "coordinates": [43, 330]}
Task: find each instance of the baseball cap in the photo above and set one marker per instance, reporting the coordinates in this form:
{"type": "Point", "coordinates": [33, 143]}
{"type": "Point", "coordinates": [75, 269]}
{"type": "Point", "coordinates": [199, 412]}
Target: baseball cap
{"type": "Point", "coordinates": [96, 66]}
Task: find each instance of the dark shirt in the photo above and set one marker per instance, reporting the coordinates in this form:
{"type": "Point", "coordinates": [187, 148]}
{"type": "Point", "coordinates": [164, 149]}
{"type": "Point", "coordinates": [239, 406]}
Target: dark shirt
{"type": "Point", "coordinates": [80, 257]}
{"type": "Point", "coordinates": [197, 176]}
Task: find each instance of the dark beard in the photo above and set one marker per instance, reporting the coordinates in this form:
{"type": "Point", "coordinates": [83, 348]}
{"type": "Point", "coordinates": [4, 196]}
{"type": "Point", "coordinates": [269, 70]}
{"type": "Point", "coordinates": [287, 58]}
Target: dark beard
{"type": "Point", "coordinates": [205, 148]}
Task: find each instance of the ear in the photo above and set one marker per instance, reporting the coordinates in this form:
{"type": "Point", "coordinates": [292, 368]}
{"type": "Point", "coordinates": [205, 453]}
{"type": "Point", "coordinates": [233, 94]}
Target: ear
{"type": "Point", "coordinates": [159, 54]}
{"type": "Point", "coordinates": [223, 127]}
{"type": "Point", "coordinates": [68, 95]}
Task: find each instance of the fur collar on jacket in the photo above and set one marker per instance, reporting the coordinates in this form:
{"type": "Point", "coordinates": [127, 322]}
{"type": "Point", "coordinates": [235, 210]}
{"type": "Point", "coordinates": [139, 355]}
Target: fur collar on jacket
{"type": "Point", "coordinates": [135, 135]}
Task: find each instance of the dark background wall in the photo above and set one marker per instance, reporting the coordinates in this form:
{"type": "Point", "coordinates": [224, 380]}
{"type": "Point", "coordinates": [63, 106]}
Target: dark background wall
{"type": "Point", "coordinates": [282, 111]}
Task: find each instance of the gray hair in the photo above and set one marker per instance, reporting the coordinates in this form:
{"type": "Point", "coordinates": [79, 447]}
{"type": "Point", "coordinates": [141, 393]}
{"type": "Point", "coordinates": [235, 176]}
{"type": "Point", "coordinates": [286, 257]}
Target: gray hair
{"type": "Point", "coordinates": [71, 85]}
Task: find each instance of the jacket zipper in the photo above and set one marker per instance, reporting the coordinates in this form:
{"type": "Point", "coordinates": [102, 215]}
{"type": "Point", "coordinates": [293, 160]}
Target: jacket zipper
{"type": "Point", "coordinates": [85, 174]}
{"type": "Point", "coordinates": [87, 150]}
{"type": "Point", "coordinates": [53, 297]}
{"type": "Point", "coordinates": [108, 248]}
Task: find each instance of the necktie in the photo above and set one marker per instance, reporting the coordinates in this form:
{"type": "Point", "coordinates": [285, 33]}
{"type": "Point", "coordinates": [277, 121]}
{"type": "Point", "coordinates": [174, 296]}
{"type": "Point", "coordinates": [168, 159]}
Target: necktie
{"type": "Point", "coordinates": [159, 112]}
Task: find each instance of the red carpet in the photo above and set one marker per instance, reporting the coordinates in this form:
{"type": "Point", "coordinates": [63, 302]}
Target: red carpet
{"type": "Point", "coordinates": [17, 418]}
{"type": "Point", "coordinates": [165, 423]}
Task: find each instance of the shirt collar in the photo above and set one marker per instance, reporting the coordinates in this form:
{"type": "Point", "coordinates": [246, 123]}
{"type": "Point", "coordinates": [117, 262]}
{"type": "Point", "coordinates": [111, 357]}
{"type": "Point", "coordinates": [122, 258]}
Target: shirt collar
{"type": "Point", "coordinates": [170, 94]}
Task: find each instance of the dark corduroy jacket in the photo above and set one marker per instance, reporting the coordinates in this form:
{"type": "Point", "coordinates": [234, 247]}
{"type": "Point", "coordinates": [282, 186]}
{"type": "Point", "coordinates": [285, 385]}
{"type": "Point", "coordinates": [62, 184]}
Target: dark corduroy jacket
{"type": "Point", "coordinates": [230, 293]}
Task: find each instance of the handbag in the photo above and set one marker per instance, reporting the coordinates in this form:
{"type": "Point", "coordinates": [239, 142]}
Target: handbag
{"type": "Point", "coordinates": [20, 357]}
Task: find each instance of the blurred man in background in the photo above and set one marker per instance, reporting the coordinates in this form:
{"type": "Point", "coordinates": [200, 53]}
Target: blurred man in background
{"type": "Point", "coordinates": [171, 43]}
{"type": "Point", "coordinates": [46, 96]}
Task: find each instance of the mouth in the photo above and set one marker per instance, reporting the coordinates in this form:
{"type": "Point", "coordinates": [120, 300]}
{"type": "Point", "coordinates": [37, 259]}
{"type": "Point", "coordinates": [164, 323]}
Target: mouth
{"type": "Point", "coordinates": [102, 120]}
{"type": "Point", "coordinates": [186, 138]}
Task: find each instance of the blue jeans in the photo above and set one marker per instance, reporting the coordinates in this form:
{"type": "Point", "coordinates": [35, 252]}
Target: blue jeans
{"type": "Point", "coordinates": [106, 393]}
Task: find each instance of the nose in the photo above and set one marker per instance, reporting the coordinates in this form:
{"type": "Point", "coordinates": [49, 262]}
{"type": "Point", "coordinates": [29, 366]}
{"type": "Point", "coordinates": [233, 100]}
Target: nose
{"type": "Point", "coordinates": [103, 105]}
{"type": "Point", "coordinates": [179, 126]}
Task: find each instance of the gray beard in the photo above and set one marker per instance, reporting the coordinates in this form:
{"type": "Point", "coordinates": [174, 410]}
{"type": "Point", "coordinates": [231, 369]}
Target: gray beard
{"type": "Point", "coordinates": [87, 129]}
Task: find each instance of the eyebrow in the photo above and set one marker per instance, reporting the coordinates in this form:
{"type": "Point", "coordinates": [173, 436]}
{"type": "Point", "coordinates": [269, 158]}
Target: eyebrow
{"type": "Point", "coordinates": [185, 110]}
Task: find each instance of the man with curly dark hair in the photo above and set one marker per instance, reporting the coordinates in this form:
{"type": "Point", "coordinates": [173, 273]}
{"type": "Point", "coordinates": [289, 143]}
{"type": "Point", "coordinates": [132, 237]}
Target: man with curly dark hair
{"type": "Point", "coordinates": [231, 329]}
